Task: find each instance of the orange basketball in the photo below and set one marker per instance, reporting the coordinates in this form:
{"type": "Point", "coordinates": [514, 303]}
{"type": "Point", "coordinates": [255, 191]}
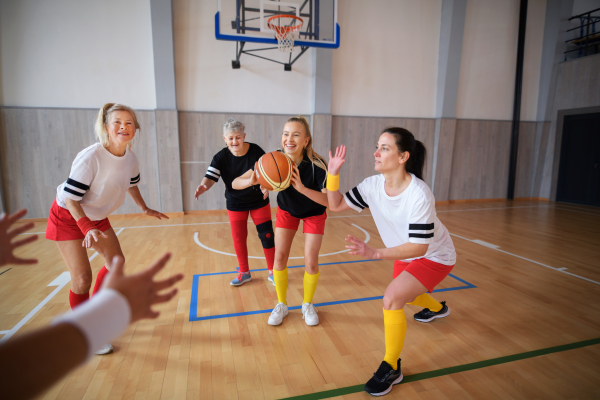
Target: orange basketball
{"type": "Point", "coordinates": [275, 171]}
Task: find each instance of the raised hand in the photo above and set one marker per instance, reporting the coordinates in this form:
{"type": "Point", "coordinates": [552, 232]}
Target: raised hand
{"type": "Point", "coordinates": [6, 246]}
{"type": "Point", "coordinates": [153, 213]}
{"type": "Point", "coordinates": [253, 180]}
{"type": "Point", "coordinates": [336, 161]}
{"type": "Point", "coordinates": [360, 248]}
{"type": "Point", "coordinates": [200, 190]}
{"type": "Point", "coordinates": [92, 236]}
{"type": "Point", "coordinates": [141, 290]}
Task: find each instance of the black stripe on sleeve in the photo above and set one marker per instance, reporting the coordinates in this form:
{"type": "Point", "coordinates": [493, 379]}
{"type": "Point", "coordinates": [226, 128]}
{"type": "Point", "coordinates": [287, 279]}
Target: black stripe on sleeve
{"type": "Point", "coordinates": [420, 227]}
{"type": "Point", "coordinates": [349, 197]}
{"type": "Point", "coordinates": [359, 198]}
{"type": "Point", "coordinates": [66, 189]}
{"type": "Point", "coordinates": [78, 185]}
{"type": "Point", "coordinates": [211, 177]}
{"type": "Point", "coordinates": [421, 235]}
{"type": "Point", "coordinates": [136, 179]}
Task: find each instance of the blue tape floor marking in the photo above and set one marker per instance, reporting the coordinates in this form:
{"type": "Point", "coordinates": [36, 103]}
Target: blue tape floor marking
{"type": "Point", "coordinates": [196, 278]}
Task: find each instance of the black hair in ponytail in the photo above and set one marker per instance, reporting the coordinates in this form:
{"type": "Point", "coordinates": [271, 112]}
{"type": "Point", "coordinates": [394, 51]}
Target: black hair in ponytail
{"type": "Point", "coordinates": [407, 142]}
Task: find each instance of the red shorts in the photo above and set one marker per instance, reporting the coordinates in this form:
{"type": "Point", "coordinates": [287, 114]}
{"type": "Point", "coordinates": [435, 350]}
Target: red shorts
{"type": "Point", "coordinates": [62, 226]}
{"type": "Point", "coordinates": [314, 224]}
{"type": "Point", "coordinates": [429, 273]}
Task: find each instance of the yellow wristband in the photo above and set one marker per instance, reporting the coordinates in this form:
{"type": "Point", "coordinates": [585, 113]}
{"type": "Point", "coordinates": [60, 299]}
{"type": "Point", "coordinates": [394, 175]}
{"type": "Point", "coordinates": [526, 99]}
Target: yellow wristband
{"type": "Point", "coordinates": [333, 182]}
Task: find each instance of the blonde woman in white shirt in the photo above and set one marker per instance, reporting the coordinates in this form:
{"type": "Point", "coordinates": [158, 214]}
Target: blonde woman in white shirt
{"type": "Point", "coordinates": [403, 209]}
{"type": "Point", "coordinates": [100, 176]}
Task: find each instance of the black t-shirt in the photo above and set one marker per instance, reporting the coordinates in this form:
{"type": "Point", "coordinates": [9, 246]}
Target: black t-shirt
{"type": "Point", "coordinates": [298, 205]}
{"type": "Point", "coordinates": [227, 166]}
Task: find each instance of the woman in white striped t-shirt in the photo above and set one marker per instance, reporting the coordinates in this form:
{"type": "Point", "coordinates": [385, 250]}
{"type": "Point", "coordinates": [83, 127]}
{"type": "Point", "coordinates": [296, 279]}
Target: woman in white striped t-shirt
{"type": "Point", "coordinates": [100, 176]}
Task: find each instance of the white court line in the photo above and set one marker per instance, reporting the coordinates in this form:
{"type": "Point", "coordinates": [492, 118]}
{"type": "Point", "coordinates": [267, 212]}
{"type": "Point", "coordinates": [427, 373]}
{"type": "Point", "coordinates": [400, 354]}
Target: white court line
{"type": "Point", "coordinates": [199, 243]}
{"type": "Point", "coordinates": [4, 332]}
{"type": "Point", "coordinates": [60, 282]}
{"type": "Point", "coordinates": [527, 259]}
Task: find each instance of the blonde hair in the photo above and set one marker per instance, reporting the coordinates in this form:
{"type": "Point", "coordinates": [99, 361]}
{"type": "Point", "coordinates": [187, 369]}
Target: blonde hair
{"type": "Point", "coordinates": [102, 121]}
{"type": "Point", "coordinates": [312, 155]}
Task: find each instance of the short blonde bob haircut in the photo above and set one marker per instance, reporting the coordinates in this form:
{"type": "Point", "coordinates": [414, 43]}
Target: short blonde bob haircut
{"type": "Point", "coordinates": [103, 118]}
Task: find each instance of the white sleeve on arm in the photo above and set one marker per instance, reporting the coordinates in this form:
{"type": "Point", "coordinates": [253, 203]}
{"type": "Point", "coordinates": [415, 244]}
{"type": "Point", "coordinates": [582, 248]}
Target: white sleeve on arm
{"type": "Point", "coordinates": [357, 197]}
{"type": "Point", "coordinates": [79, 181]}
{"type": "Point", "coordinates": [421, 222]}
{"type": "Point", "coordinates": [101, 319]}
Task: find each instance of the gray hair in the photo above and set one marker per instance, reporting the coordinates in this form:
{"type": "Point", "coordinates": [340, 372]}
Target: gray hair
{"type": "Point", "coordinates": [233, 125]}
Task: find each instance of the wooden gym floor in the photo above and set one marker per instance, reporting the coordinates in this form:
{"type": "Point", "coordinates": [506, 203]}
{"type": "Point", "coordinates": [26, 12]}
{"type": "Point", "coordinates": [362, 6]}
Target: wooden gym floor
{"type": "Point", "coordinates": [524, 322]}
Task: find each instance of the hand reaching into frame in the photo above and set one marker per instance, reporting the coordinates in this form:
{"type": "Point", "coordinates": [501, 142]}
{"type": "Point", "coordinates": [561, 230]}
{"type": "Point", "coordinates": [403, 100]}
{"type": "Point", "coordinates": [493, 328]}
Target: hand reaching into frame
{"type": "Point", "coordinates": [141, 290]}
{"type": "Point", "coordinates": [360, 248]}
{"type": "Point", "coordinates": [200, 191]}
{"type": "Point", "coordinates": [336, 161]}
{"type": "Point", "coordinates": [6, 236]}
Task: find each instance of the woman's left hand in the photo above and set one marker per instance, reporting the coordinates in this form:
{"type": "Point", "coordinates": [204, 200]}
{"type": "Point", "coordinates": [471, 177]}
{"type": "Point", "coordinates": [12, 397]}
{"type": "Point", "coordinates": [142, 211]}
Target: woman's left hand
{"type": "Point", "coordinates": [360, 248]}
{"type": "Point", "coordinates": [153, 213]}
{"type": "Point", "coordinates": [296, 181]}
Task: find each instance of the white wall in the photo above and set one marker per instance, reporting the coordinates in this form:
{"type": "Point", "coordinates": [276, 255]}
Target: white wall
{"type": "Point", "coordinates": [76, 54]}
{"type": "Point", "coordinates": [488, 65]}
{"type": "Point", "coordinates": [388, 58]}
{"type": "Point", "coordinates": [206, 82]}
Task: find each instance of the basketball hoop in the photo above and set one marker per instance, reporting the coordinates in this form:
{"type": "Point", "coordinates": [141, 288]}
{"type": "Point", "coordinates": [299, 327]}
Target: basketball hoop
{"type": "Point", "coordinates": [285, 31]}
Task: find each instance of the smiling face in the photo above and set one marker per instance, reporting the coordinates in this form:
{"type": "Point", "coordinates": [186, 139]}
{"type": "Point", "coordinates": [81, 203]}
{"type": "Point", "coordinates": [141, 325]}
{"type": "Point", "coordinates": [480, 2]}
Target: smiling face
{"type": "Point", "coordinates": [235, 141]}
{"type": "Point", "coordinates": [387, 155]}
{"type": "Point", "coordinates": [120, 128]}
{"type": "Point", "coordinates": [294, 139]}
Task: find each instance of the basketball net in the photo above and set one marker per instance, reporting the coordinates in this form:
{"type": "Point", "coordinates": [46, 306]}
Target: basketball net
{"type": "Point", "coordinates": [286, 29]}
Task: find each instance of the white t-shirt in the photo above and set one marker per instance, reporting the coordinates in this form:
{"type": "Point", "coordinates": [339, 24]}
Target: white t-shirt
{"type": "Point", "coordinates": [99, 181]}
{"type": "Point", "coordinates": [408, 217]}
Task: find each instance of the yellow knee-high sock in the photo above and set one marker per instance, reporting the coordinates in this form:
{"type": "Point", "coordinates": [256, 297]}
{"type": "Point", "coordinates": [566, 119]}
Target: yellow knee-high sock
{"type": "Point", "coordinates": [310, 286]}
{"type": "Point", "coordinates": [281, 284]}
{"type": "Point", "coordinates": [394, 322]}
{"type": "Point", "coordinates": [426, 301]}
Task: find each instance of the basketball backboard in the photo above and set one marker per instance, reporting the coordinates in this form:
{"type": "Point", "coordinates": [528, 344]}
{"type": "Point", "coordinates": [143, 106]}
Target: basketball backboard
{"type": "Point", "coordinates": [246, 21]}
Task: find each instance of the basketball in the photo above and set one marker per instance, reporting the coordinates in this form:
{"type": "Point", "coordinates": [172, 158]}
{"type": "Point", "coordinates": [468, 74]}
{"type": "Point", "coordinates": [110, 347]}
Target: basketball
{"type": "Point", "coordinates": [275, 171]}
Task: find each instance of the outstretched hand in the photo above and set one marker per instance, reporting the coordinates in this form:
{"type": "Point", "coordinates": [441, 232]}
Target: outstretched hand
{"type": "Point", "coordinates": [93, 235]}
{"type": "Point", "coordinates": [360, 248]}
{"type": "Point", "coordinates": [141, 290]}
{"type": "Point", "coordinates": [200, 190]}
{"type": "Point", "coordinates": [6, 246]}
{"type": "Point", "coordinates": [336, 161]}
{"type": "Point", "coordinates": [153, 213]}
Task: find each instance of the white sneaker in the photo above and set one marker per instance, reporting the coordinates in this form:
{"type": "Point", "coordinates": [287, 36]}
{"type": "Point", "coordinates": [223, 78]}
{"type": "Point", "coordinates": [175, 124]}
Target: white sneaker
{"type": "Point", "coordinates": [279, 313]}
{"type": "Point", "coordinates": [309, 313]}
{"type": "Point", "coordinates": [106, 349]}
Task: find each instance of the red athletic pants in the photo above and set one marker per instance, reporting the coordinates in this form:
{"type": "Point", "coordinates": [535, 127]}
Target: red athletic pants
{"type": "Point", "coordinates": [239, 231]}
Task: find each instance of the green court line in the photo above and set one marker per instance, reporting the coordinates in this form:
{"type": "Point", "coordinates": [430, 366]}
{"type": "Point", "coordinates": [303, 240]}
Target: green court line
{"type": "Point", "coordinates": [451, 370]}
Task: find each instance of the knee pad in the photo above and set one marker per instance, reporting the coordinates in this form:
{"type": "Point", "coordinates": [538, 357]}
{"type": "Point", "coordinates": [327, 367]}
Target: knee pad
{"type": "Point", "coordinates": [266, 234]}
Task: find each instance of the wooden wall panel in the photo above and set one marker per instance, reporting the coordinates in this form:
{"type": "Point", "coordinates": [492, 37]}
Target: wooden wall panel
{"type": "Point", "coordinates": [525, 155]}
{"type": "Point", "coordinates": [444, 158]}
{"type": "Point", "coordinates": [480, 160]}
{"type": "Point", "coordinates": [360, 135]}
{"type": "Point", "coordinates": [38, 146]}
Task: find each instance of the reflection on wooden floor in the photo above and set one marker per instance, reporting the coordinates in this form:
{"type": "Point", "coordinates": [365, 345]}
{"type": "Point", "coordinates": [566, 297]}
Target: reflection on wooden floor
{"type": "Point", "coordinates": [535, 267]}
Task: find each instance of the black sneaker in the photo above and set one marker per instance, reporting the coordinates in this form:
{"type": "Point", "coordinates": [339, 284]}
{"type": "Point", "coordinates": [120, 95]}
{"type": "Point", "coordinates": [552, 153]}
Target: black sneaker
{"type": "Point", "coordinates": [426, 315]}
{"type": "Point", "coordinates": [381, 383]}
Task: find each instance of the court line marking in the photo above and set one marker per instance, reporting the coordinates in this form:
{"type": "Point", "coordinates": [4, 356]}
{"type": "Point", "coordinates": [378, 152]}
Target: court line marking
{"type": "Point", "coordinates": [559, 269]}
{"type": "Point", "coordinates": [60, 282]}
{"type": "Point", "coordinates": [328, 217]}
{"type": "Point", "coordinates": [5, 271]}
{"type": "Point", "coordinates": [194, 300]}
{"type": "Point", "coordinates": [326, 394]}
{"type": "Point", "coordinates": [199, 243]}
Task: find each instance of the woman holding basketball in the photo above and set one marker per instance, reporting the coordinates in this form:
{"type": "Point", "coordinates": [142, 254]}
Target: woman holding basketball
{"type": "Point", "coordinates": [100, 176]}
{"type": "Point", "coordinates": [403, 208]}
{"type": "Point", "coordinates": [233, 161]}
{"type": "Point", "coordinates": [304, 200]}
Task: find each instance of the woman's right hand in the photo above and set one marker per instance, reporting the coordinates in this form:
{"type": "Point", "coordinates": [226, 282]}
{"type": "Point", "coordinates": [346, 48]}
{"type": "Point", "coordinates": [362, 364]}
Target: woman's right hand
{"type": "Point", "coordinates": [92, 234]}
{"type": "Point", "coordinates": [336, 162]}
{"type": "Point", "coordinates": [200, 190]}
{"type": "Point", "coordinates": [254, 177]}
